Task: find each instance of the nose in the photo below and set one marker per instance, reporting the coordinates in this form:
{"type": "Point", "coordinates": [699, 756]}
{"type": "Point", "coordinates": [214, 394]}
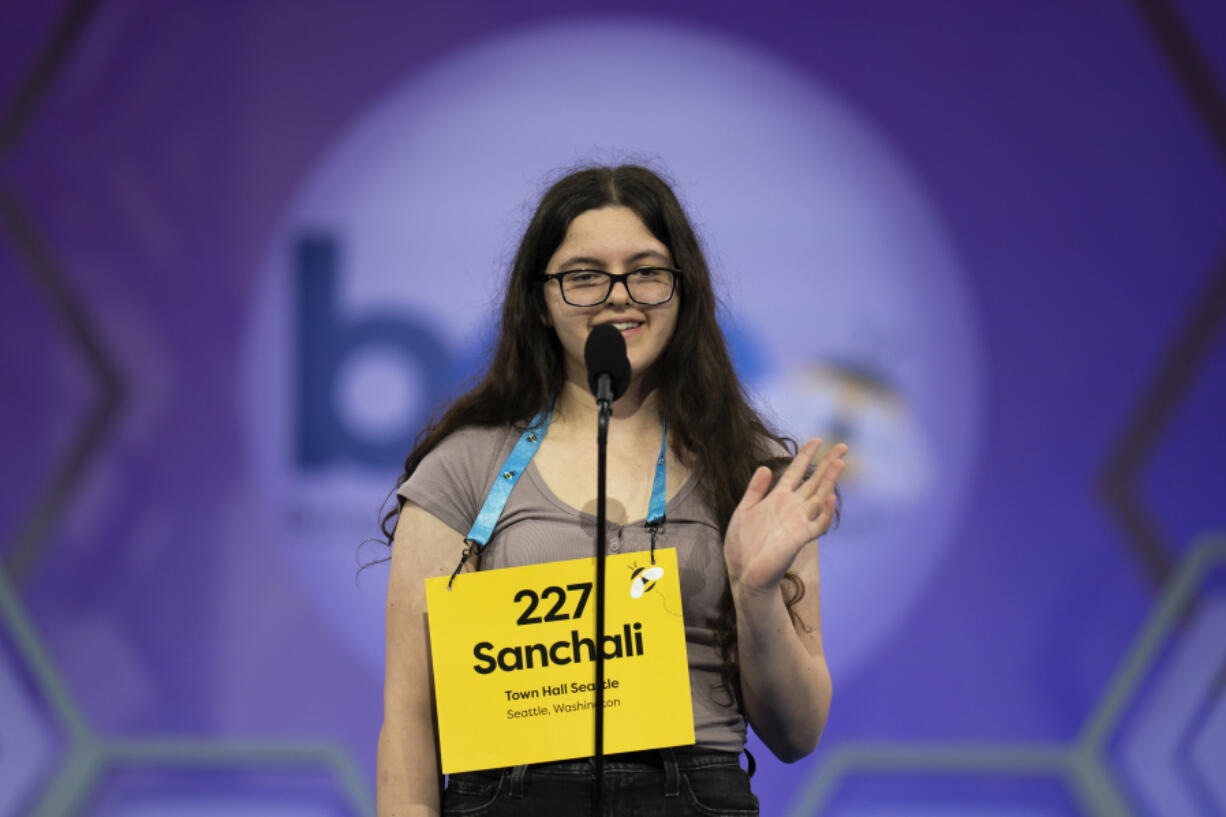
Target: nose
{"type": "Point", "coordinates": [620, 293]}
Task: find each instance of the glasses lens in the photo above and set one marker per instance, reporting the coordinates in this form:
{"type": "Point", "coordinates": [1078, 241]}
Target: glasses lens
{"type": "Point", "coordinates": [585, 287]}
{"type": "Point", "coordinates": [651, 286]}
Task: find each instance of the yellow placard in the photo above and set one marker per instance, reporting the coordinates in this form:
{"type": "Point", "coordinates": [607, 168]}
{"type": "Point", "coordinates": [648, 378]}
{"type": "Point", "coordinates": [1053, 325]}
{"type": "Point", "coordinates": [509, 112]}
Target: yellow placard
{"type": "Point", "coordinates": [514, 651]}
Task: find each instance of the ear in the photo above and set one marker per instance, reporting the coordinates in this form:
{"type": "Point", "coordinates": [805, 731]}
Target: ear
{"type": "Point", "coordinates": [545, 320]}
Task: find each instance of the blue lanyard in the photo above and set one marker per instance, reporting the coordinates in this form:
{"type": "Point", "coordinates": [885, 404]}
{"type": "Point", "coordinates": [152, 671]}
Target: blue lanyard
{"type": "Point", "coordinates": [517, 462]}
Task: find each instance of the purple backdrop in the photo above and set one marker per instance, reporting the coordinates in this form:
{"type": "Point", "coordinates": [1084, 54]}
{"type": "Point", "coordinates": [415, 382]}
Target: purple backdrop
{"type": "Point", "coordinates": [1034, 196]}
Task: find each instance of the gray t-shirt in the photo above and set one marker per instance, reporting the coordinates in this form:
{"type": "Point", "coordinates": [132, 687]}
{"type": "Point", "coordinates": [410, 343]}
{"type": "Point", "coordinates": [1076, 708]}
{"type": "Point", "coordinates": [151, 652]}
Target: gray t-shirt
{"type": "Point", "coordinates": [536, 526]}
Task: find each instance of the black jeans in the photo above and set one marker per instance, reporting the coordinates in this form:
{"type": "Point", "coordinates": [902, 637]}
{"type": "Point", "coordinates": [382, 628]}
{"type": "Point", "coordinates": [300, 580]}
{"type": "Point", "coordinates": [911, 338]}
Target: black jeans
{"type": "Point", "coordinates": [681, 782]}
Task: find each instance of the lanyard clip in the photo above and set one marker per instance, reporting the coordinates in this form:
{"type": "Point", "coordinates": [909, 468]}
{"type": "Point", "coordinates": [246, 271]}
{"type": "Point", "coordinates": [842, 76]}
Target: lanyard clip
{"type": "Point", "coordinates": [470, 547]}
{"type": "Point", "coordinates": [653, 528]}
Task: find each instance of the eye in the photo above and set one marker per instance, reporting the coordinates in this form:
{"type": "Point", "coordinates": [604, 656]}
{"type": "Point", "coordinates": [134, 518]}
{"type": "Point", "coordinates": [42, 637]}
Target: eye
{"type": "Point", "coordinates": [584, 278]}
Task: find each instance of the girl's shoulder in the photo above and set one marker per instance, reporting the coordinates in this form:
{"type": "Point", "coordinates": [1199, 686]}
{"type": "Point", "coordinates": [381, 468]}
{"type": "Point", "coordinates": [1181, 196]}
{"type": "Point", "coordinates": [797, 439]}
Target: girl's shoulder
{"type": "Point", "coordinates": [452, 480]}
{"type": "Point", "coordinates": [474, 448]}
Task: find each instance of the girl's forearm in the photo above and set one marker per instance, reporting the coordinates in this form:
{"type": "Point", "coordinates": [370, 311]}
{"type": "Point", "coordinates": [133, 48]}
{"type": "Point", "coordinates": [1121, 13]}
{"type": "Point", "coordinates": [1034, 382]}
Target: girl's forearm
{"type": "Point", "coordinates": [407, 776]}
{"type": "Point", "coordinates": [786, 686]}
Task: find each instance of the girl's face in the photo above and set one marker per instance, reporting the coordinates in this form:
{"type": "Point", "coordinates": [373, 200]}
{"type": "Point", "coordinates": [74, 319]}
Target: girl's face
{"type": "Point", "coordinates": [610, 239]}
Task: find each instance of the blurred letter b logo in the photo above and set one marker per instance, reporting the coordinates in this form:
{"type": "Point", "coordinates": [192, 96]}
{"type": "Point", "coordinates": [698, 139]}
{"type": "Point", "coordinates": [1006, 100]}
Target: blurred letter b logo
{"type": "Point", "coordinates": [328, 343]}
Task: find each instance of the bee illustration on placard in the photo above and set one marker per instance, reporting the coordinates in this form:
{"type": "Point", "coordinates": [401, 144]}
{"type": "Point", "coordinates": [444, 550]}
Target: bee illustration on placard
{"type": "Point", "coordinates": [643, 579]}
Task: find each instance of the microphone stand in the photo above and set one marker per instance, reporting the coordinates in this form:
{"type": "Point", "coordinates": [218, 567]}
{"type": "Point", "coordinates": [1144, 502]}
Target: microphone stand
{"type": "Point", "coordinates": [604, 405]}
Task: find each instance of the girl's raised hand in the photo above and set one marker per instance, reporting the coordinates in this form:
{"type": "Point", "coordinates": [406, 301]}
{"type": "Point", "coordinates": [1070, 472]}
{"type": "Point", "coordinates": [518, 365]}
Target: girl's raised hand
{"type": "Point", "coordinates": [771, 525]}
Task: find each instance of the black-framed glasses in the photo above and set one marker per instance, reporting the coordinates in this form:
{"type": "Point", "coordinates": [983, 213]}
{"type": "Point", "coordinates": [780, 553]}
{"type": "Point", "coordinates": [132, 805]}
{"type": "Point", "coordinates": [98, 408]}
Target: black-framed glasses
{"type": "Point", "coordinates": [588, 287]}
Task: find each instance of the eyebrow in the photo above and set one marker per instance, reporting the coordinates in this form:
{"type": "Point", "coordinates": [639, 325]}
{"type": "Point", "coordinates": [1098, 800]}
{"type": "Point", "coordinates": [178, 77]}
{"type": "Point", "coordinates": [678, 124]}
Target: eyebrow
{"type": "Point", "coordinates": [587, 261]}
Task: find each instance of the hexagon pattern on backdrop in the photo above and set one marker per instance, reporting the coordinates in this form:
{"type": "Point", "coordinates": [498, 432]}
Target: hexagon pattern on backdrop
{"type": "Point", "coordinates": [32, 736]}
{"type": "Point", "coordinates": [1155, 743]}
{"type": "Point", "coordinates": [52, 765]}
{"type": "Point", "coordinates": [1168, 743]}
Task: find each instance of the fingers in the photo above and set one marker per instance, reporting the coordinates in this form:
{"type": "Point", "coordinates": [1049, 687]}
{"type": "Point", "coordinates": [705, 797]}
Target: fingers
{"type": "Point", "coordinates": [826, 473]}
{"type": "Point", "coordinates": [821, 516]}
{"type": "Point", "coordinates": [820, 501]}
{"type": "Point", "coordinates": [795, 472]}
{"type": "Point", "coordinates": [758, 485]}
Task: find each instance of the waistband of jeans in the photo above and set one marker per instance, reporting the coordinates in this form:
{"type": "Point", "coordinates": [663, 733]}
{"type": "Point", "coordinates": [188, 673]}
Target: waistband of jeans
{"type": "Point", "coordinates": [686, 758]}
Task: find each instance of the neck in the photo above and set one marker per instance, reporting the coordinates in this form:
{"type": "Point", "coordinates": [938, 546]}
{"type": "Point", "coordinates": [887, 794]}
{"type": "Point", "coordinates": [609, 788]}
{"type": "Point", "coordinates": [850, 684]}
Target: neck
{"type": "Point", "coordinates": [636, 410]}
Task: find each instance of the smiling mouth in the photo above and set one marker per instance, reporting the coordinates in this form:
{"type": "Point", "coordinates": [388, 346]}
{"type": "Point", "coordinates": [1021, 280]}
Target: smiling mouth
{"type": "Point", "coordinates": [622, 326]}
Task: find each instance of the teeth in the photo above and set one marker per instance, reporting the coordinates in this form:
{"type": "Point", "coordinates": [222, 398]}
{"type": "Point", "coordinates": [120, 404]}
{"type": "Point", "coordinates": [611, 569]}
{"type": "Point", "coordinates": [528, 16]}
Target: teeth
{"type": "Point", "coordinates": [620, 325]}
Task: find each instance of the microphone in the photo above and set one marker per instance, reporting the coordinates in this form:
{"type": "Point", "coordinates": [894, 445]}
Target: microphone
{"type": "Point", "coordinates": [608, 367]}
{"type": "Point", "coordinates": [608, 376]}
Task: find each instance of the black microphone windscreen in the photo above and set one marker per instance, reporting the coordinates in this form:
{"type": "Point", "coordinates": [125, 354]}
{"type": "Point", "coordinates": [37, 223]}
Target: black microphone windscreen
{"type": "Point", "coordinates": [605, 353]}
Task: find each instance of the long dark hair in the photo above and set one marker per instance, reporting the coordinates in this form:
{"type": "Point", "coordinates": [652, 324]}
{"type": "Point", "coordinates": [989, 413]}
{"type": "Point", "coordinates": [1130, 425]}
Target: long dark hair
{"type": "Point", "coordinates": [712, 427]}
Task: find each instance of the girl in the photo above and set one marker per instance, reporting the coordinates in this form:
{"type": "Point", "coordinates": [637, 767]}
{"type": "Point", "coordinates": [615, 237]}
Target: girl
{"type": "Point", "coordinates": [613, 246]}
